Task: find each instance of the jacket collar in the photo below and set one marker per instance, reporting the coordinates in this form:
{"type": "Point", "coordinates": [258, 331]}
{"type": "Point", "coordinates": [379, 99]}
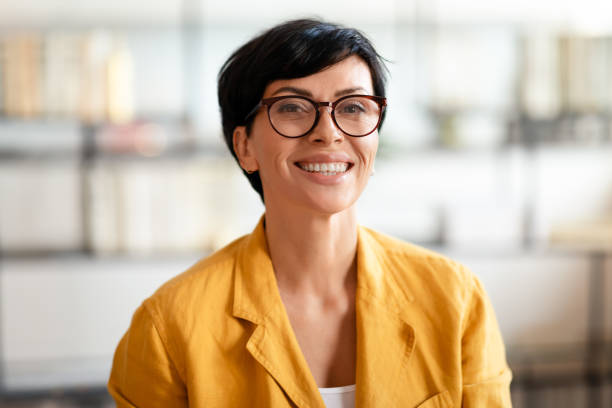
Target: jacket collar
{"type": "Point", "coordinates": [384, 339]}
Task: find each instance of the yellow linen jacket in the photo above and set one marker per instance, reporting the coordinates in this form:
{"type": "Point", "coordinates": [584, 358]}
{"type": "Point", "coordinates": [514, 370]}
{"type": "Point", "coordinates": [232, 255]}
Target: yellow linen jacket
{"type": "Point", "coordinates": [218, 335]}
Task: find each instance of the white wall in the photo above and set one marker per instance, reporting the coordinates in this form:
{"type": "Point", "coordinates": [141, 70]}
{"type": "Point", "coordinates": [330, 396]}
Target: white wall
{"type": "Point", "coordinates": [62, 318]}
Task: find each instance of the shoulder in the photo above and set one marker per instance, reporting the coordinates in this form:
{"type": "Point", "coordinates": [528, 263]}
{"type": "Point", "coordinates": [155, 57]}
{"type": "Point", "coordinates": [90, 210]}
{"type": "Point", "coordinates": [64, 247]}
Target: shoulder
{"type": "Point", "coordinates": [418, 268]}
{"type": "Point", "coordinates": [209, 282]}
{"type": "Point", "coordinates": [396, 249]}
{"type": "Point", "coordinates": [198, 298]}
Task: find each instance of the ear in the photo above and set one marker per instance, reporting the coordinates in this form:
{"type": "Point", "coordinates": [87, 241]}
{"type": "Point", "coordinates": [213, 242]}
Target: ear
{"type": "Point", "coordinates": [243, 146]}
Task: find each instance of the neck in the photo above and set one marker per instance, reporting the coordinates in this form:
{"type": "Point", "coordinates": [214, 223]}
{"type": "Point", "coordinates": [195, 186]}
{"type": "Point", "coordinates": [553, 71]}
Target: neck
{"type": "Point", "coordinates": [312, 253]}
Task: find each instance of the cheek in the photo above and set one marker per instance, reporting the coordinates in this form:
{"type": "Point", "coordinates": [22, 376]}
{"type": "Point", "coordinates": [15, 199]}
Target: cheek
{"type": "Point", "coordinates": [272, 152]}
{"type": "Point", "coordinates": [367, 148]}
{"type": "Point", "coordinates": [374, 147]}
{"type": "Point", "coordinates": [262, 140]}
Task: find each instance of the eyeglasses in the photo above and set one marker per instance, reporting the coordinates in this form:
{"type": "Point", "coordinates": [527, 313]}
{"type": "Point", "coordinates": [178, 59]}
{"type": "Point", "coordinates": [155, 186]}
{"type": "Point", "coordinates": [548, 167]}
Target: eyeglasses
{"type": "Point", "coordinates": [296, 116]}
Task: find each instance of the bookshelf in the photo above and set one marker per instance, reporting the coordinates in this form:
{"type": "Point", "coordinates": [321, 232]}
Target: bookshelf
{"type": "Point", "coordinates": [113, 126]}
{"type": "Point", "coordinates": [92, 89]}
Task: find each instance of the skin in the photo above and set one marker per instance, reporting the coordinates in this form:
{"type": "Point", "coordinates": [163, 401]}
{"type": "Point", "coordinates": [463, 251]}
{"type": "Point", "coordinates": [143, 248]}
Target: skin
{"type": "Point", "coordinates": [311, 227]}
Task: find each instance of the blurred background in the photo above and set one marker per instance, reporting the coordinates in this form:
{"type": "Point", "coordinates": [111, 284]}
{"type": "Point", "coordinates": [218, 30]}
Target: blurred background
{"type": "Point", "coordinates": [113, 175]}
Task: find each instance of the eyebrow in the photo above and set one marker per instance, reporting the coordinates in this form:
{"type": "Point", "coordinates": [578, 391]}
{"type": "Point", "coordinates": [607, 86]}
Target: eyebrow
{"type": "Point", "coordinates": [291, 89]}
{"type": "Point", "coordinates": [349, 91]}
{"type": "Point", "coordinates": [305, 92]}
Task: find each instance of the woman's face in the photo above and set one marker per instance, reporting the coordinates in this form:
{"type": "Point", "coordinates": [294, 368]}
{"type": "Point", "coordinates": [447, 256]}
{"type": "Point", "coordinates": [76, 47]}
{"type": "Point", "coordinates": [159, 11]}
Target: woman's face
{"type": "Point", "coordinates": [288, 167]}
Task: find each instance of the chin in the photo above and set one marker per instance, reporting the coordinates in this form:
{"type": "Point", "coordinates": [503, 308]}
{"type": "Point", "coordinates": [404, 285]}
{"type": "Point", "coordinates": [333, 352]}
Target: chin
{"type": "Point", "coordinates": [328, 205]}
{"type": "Point", "coordinates": [328, 201]}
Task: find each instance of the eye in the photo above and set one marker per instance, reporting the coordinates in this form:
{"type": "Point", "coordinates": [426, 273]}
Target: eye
{"type": "Point", "coordinates": [351, 108]}
{"type": "Point", "coordinates": [356, 107]}
{"type": "Point", "coordinates": [289, 108]}
{"type": "Point", "coordinates": [292, 106]}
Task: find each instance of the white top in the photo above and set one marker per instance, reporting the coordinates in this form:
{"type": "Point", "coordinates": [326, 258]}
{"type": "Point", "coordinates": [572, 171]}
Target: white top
{"type": "Point", "coordinates": [339, 397]}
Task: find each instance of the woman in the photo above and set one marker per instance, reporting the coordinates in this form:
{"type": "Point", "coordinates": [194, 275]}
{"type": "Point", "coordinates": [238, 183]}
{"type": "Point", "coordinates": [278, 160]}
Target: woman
{"type": "Point", "coordinates": [311, 310]}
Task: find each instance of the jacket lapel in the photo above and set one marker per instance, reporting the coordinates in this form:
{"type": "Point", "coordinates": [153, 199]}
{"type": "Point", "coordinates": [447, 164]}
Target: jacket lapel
{"type": "Point", "coordinates": [385, 340]}
{"type": "Point", "coordinates": [272, 342]}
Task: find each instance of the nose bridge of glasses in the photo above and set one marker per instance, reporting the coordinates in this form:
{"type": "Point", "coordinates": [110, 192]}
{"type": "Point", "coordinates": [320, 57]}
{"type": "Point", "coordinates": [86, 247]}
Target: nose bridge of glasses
{"type": "Point", "coordinates": [332, 120]}
{"type": "Point", "coordinates": [319, 105]}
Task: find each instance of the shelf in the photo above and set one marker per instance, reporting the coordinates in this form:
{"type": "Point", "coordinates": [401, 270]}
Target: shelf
{"type": "Point", "coordinates": [65, 13]}
{"type": "Point", "coordinates": [94, 395]}
{"type": "Point", "coordinates": [78, 256]}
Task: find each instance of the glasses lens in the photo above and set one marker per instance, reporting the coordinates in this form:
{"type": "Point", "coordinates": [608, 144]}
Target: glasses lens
{"type": "Point", "coordinates": [292, 117]}
{"type": "Point", "coordinates": [357, 116]}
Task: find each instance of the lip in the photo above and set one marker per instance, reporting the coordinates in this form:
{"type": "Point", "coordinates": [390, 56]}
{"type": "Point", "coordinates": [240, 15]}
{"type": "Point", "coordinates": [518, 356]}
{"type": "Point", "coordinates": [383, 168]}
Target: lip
{"type": "Point", "coordinates": [325, 158]}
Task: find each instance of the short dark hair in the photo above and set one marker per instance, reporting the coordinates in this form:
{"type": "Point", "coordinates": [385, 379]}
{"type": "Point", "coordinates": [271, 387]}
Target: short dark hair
{"type": "Point", "coordinates": [293, 49]}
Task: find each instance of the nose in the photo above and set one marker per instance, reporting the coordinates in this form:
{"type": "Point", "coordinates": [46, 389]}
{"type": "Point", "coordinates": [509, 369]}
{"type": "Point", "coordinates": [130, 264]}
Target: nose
{"type": "Point", "coordinates": [325, 130]}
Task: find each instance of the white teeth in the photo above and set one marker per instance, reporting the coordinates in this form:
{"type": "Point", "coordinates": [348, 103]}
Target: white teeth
{"type": "Point", "coordinates": [326, 169]}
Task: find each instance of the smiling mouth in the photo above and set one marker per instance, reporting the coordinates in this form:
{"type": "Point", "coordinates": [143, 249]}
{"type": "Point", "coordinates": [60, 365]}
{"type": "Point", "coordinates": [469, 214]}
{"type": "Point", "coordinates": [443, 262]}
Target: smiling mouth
{"type": "Point", "coordinates": [325, 169]}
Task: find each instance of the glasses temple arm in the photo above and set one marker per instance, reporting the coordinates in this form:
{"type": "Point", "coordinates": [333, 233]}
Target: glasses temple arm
{"type": "Point", "coordinates": [252, 112]}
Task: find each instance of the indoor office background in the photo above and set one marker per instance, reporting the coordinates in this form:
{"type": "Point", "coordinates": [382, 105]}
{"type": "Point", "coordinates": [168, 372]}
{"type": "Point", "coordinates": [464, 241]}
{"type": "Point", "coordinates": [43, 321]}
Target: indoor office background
{"type": "Point", "coordinates": [497, 151]}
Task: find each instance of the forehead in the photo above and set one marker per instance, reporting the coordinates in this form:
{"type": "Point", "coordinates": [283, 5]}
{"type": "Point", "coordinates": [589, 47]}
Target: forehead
{"type": "Point", "coordinates": [351, 73]}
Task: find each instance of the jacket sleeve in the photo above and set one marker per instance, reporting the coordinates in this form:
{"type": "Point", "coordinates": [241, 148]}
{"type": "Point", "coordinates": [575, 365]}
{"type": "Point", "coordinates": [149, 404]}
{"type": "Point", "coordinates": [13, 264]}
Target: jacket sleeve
{"type": "Point", "coordinates": [485, 373]}
{"type": "Point", "coordinates": [143, 373]}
